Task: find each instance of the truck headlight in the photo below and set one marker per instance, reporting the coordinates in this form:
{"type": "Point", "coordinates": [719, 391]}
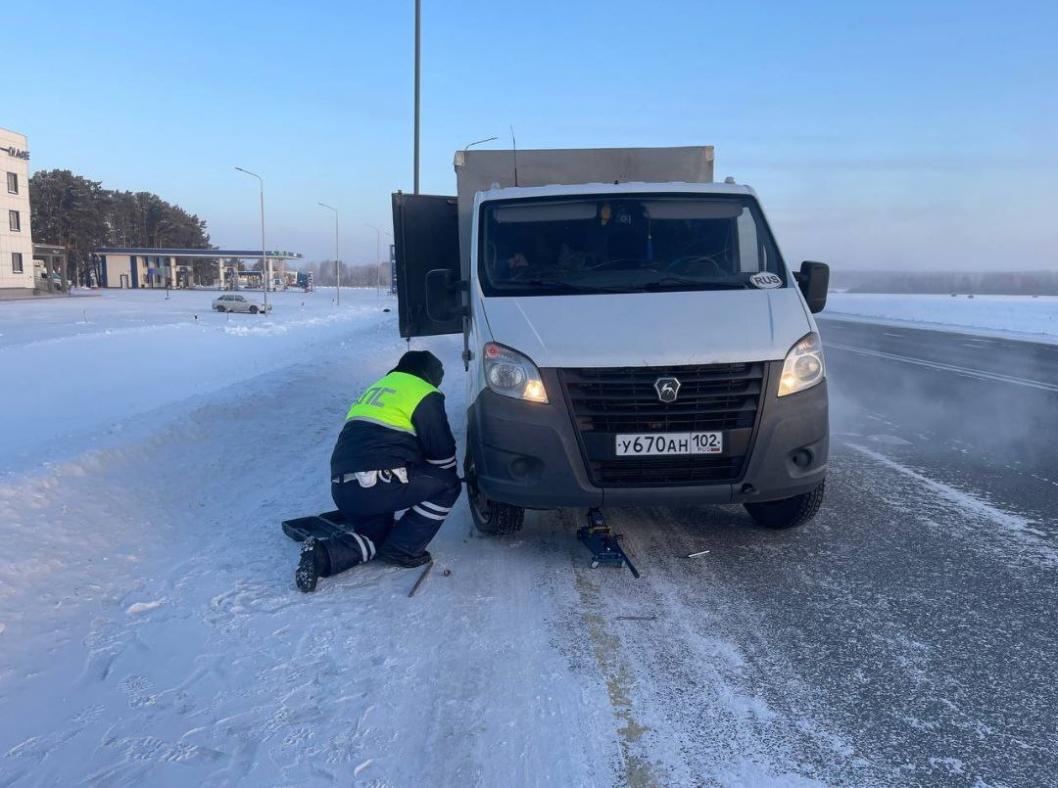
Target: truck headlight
{"type": "Point", "coordinates": [803, 367]}
{"type": "Point", "coordinates": [511, 374]}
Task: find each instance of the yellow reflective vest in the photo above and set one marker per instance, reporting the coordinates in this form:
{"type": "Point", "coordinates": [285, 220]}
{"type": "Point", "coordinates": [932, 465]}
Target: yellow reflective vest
{"type": "Point", "coordinates": [391, 401]}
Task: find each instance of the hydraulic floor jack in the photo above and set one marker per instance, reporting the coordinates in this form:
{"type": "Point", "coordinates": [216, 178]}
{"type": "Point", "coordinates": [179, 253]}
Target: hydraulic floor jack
{"type": "Point", "coordinates": [604, 544]}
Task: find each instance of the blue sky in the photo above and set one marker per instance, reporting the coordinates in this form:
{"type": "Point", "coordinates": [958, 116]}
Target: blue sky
{"type": "Point", "coordinates": [878, 135]}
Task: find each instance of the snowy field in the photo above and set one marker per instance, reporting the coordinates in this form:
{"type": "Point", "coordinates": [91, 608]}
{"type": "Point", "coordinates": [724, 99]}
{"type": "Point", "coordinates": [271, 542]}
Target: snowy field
{"type": "Point", "coordinates": [151, 634]}
{"type": "Point", "coordinates": [1010, 317]}
{"type": "Point", "coordinates": [73, 366]}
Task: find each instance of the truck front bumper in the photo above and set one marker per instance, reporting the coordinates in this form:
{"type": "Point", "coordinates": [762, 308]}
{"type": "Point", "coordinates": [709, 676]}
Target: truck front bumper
{"type": "Point", "coordinates": [528, 454]}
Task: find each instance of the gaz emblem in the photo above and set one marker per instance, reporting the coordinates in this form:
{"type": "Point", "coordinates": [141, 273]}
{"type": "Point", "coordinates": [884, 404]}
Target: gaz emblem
{"type": "Point", "coordinates": [667, 389]}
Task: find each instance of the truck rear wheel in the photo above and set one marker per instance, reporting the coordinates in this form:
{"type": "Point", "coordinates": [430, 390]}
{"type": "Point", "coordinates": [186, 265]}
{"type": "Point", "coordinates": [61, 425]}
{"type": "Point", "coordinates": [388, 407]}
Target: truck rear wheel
{"type": "Point", "coordinates": [787, 512]}
{"type": "Point", "coordinates": [490, 517]}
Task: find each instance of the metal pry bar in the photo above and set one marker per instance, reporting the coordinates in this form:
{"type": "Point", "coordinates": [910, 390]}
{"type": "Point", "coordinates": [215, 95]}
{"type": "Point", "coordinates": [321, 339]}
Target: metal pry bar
{"type": "Point", "coordinates": [421, 580]}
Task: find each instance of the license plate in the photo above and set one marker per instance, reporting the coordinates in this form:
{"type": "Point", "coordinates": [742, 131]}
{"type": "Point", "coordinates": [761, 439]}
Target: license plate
{"type": "Point", "coordinates": [657, 444]}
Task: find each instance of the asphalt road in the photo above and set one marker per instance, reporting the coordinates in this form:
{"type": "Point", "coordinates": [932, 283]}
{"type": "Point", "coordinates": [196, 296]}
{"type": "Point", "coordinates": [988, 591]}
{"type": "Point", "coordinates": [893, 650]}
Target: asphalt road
{"type": "Point", "coordinates": [907, 636]}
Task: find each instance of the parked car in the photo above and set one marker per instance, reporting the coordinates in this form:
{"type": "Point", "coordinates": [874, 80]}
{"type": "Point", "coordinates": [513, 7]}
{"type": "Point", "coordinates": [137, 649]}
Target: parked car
{"type": "Point", "coordinates": [238, 303]}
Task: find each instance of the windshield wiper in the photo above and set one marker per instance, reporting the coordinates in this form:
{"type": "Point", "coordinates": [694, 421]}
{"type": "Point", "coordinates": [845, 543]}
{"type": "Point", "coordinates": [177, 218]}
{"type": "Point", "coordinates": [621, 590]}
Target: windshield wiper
{"type": "Point", "coordinates": [713, 284]}
{"type": "Point", "coordinates": [559, 284]}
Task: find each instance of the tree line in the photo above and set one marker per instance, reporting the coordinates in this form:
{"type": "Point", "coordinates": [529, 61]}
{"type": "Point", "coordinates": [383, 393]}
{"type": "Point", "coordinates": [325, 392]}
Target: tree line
{"type": "Point", "coordinates": [80, 215]}
{"type": "Point", "coordinates": [948, 282]}
{"type": "Point", "coordinates": [323, 274]}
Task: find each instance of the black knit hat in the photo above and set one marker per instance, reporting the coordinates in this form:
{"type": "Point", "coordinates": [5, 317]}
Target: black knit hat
{"type": "Point", "coordinates": [423, 364]}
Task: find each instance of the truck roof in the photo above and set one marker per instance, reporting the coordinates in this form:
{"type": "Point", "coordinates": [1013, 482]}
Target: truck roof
{"type": "Point", "coordinates": [564, 190]}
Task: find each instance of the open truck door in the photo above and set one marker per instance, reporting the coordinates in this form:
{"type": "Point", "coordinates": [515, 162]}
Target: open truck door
{"type": "Point", "coordinates": [429, 286]}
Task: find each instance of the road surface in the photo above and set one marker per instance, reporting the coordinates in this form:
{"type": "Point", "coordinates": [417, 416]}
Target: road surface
{"type": "Point", "coordinates": [150, 632]}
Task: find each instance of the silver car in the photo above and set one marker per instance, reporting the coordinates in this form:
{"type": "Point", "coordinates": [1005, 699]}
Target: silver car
{"type": "Point", "coordinates": [238, 303]}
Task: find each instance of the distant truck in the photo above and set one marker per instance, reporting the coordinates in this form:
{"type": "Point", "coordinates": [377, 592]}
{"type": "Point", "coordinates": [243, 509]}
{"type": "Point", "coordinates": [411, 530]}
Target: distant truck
{"type": "Point", "coordinates": [631, 331]}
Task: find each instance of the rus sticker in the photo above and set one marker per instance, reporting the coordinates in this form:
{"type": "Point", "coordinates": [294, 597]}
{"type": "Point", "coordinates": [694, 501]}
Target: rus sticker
{"type": "Point", "coordinates": [766, 280]}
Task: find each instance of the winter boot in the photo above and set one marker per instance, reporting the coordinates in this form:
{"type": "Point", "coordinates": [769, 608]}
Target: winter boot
{"type": "Point", "coordinates": [313, 565]}
{"type": "Point", "coordinates": [406, 561]}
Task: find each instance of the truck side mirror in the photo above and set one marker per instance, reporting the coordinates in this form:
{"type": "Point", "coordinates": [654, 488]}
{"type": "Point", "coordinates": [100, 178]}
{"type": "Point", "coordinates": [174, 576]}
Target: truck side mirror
{"type": "Point", "coordinates": [814, 281]}
{"type": "Point", "coordinates": [442, 295]}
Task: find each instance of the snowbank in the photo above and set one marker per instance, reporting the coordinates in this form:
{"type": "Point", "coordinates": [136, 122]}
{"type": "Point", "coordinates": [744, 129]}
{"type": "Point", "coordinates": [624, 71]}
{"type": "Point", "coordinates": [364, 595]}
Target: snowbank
{"type": "Point", "coordinates": [1028, 318]}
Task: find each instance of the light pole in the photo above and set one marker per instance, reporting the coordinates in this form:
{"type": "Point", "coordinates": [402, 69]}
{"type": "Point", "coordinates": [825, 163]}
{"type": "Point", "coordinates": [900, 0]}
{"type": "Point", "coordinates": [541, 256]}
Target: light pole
{"type": "Point", "coordinates": [479, 142]}
{"type": "Point", "coordinates": [381, 263]}
{"type": "Point", "coordinates": [337, 254]}
{"type": "Point", "coordinates": [264, 253]}
{"type": "Point", "coordinates": [418, 28]}
{"type": "Point", "coordinates": [378, 262]}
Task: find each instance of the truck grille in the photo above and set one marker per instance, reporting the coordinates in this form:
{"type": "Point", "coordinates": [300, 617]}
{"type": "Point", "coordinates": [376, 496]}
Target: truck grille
{"type": "Point", "coordinates": [716, 397]}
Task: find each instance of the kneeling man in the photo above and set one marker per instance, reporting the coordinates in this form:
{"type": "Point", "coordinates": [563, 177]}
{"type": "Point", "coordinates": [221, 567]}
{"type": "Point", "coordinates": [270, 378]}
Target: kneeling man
{"type": "Point", "coordinates": [396, 451]}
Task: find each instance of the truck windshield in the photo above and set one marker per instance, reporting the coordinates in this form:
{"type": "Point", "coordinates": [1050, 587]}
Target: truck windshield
{"type": "Point", "coordinates": [624, 243]}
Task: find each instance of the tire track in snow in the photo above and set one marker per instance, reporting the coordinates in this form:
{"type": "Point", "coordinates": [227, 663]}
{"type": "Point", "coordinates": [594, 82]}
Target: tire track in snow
{"type": "Point", "coordinates": [638, 772]}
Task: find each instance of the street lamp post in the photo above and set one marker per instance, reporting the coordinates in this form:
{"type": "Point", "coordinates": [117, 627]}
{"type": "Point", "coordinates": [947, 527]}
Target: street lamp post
{"type": "Point", "coordinates": [378, 262]}
{"type": "Point", "coordinates": [337, 253]}
{"type": "Point", "coordinates": [264, 253]}
{"type": "Point", "coordinates": [479, 142]}
{"type": "Point", "coordinates": [418, 37]}
{"type": "Point", "coordinates": [382, 262]}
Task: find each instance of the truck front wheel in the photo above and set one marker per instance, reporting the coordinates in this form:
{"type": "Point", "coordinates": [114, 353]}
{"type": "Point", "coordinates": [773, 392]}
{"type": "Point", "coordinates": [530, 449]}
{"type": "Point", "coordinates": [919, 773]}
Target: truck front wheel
{"type": "Point", "coordinates": [490, 517]}
{"type": "Point", "coordinates": [787, 512]}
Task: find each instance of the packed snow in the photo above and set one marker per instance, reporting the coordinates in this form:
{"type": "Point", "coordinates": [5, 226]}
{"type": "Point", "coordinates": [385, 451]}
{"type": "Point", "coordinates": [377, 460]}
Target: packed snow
{"type": "Point", "coordinates": [1012, 317]}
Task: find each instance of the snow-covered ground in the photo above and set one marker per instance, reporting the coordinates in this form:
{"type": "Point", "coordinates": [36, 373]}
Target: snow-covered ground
{"type": "Point", "coordinates": [151, 634]}
{"type": "Point", "coordinates": [72, 366]}
{"type": "Point", "coordinates": [1013, 317]}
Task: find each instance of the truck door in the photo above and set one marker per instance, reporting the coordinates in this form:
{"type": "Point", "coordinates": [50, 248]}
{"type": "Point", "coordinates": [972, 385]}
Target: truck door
{"type": "Point", "coordinates": [426, 243]}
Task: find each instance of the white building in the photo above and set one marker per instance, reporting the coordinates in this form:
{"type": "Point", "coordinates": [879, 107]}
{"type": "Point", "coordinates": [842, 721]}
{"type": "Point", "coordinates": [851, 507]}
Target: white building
{"type": "Point", "coordinates": [16, 240]}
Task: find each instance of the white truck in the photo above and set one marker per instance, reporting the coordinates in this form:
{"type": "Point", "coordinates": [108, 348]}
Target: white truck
{"type": "Point", "coordinates": [632, 334]}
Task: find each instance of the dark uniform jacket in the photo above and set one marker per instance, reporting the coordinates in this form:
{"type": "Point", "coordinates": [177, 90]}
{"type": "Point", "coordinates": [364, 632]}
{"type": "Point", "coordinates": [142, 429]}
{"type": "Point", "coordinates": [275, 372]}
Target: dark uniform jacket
{"type": "Point", "coordinates": [403, 426]}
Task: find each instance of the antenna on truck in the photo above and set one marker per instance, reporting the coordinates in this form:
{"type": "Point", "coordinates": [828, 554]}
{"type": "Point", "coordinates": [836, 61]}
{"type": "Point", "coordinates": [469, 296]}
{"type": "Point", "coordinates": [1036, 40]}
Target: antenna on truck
{"type": "Point", "coordinates": [514, 146]}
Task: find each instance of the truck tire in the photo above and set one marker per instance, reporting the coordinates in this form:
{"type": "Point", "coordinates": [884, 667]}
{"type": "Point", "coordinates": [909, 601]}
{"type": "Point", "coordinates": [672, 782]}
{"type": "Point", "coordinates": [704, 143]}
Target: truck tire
{"type": "Point", "coordinates": [490, 517]}
{"type": "Point", "coordinates": [787, 512]}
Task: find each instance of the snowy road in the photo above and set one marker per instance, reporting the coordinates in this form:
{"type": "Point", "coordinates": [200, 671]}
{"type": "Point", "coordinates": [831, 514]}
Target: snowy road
{"type": "Point", "coordinates": [150, 632]}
